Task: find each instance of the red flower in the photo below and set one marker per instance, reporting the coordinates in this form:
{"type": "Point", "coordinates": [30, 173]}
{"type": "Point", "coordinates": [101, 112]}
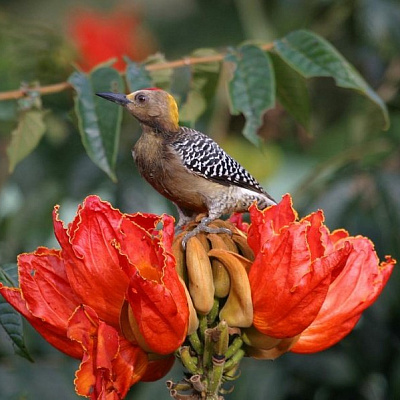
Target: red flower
{"type": "Point", "coordinates": [100, 36]}
{"type": "Point", "coordinates": [158, 303]}
{"type": "Point", "coordinates": [307, 281]}
{"type": "Point", "coordinates": [74, 296]}
{"type": "Point", "coordinates": [237, 220]}
{"type": "Point", "coordinates": [351, 292]}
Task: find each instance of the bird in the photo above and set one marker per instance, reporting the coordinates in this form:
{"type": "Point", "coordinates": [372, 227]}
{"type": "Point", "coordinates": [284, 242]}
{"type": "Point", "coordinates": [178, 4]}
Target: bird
{"type": "Point", "coordinates": [185, 165]}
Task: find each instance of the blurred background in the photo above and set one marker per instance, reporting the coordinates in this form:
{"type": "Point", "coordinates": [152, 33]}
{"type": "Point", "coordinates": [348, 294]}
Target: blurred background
{"type": "Point", "coordinates": [345, 165]}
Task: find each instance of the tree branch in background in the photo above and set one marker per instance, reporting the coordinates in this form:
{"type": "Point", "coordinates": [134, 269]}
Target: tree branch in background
{"type": "Point", "coordinates": [60, 87]}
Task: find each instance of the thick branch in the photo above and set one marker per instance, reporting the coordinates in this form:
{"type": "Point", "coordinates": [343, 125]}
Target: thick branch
{"type": "Point", "coordinates": [59, 87]}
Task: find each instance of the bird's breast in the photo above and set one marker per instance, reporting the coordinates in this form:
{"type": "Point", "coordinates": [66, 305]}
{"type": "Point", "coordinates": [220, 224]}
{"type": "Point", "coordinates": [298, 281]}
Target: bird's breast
{"type": "Point", "coordinates": [148, 155]}
{"type": "Point", "coordinates": [160, 166]}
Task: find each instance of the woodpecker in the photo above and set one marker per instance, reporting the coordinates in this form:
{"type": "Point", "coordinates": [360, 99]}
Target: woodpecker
{"type": "Point", "coordinates": [185, 165]}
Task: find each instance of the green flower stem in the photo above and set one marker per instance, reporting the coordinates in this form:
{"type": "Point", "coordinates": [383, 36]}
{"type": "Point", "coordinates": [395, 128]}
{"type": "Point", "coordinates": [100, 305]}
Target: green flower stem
{"type": "Point", "coordinates": [180, 387]}
{"type": "Point", "coordinates": [232, 374]}
{"type": "Point", "coordinates": [234, 360]}
{"type": "Point", "coordinates": [215, 378]}
{"type": "Point", "coordinates": [196, 343]}
{"type": "Point", "coordinates": [208, 349]}
{"type": "Point", "coordinates": [212, 315]}
{"type": "Point", "coordinates": [234, 347]}
{"type": "Point", "coordinates": [190, 363]}
{"type": "Point", "coordinates": [202, 326]}
{"type": "Point", "coordinates": [198, 384]}
{"type": "Point", "coordinates": [209, 360]}
{"type": "Point", "coordinates": [222, 333]}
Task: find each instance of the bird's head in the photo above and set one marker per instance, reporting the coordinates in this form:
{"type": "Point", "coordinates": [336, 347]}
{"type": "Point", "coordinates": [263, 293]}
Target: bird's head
{"type": "Point", "coordinates": [152, 107]}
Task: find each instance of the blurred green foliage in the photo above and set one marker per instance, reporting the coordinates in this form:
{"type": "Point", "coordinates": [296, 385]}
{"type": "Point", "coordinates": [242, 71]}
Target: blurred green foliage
{"type": "Point", "coordinates": [347, 166]}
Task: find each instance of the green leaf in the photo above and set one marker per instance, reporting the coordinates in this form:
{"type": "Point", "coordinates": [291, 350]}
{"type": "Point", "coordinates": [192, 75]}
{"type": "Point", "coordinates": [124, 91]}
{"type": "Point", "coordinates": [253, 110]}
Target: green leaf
{"type": "Point", "coordinates": [160, 77]}
{"type": "Point", "coordinates": [137, 77]}
{"type": "Point", "coordinates": [26, 136]}
{"type": "Point", "coordinates": [99, 120]}
{"type": "Point", "coordinates": [291, 90]}
{"type": "Point", "coordinates": [11, 274]}
{"type": "Point", "coordinates": [252, 88]}
{"type": "Point", "coordinates": [203, 83]}
{"type": "Point", "coordinates": [194, 106]}
{"type": "Point", "coordinates": [10, 319]}
{"type": "Point", "coordinates": [312, 56]}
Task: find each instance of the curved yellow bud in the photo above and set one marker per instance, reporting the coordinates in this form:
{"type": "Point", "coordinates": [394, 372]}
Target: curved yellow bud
{"type": "Point", "coordinates": [238, 309]}
{"type": "Point", "coordinates": [179, 255]}
{"type": "Point", "coordinates": [222, 281]}
{"type": "Point", "coordinates": [254, 338]}
{"type": "Point", "coordinates": [130, 328]}
{"type": "Point", "coordinates": [193, 320]}
{"type": "Point", "coordinates": [241, 242]}
{"type": "Point", "coordinates": [282, 347]}
{"type": "Point", "coordinates": [201, 285]}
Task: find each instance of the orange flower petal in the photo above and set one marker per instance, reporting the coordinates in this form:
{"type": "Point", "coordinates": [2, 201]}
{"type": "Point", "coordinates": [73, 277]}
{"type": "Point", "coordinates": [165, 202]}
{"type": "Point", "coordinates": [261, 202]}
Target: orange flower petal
{"type": "Point", "coordinates": [354, 289]}
{"type": "Point", "coordinates": [269, 221]}
{"type": "Point", "coordinates": [107, 370]}
{"type": "Point", "coordinates": [45, 298]}
{"type": "Point", "coordinates": [45, 286]}
{"type": "Point", "coordinates": [91, 261]}
{"type": "Point", "coordinates": [156, 296]}
{"type": "Point", "coordinates": [288, 289]}
{"type": "Point", "coordinates": [158, 368]}
{"type": "Point", "coordinates": [162, 317]}
{"type": "Point", "coordinates": [167, 233]}
{"type": "Point", "coordinates": [337, 235]}
{"type": "Point", "coordinates": [237, 220]}
{"type": "Point", "coordinates": [314, 234]}
{"type": "Point", "coordinates": [55, 335]}
{"type": "Point", "coordinates": [148, 222]}
{"type": "Point", "coordinates": [146, 255]}
{"type": "Point", "coordinates": [130, 366]}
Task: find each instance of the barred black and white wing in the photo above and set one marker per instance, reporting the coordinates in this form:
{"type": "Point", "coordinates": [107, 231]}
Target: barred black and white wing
{"type": "Point", "coordinates": [200, 154]}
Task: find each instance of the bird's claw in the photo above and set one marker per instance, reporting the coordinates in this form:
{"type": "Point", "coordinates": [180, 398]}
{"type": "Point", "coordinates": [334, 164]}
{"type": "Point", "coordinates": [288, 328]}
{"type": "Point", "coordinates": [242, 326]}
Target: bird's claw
{"type": "Point", "coordinates": [202, 227]}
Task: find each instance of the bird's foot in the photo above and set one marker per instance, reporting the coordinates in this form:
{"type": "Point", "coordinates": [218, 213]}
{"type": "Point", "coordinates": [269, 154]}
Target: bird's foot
{"type": "Point", "coordinates": [178, 229]}
{"type": "Point", "coordinates": [203, 227]}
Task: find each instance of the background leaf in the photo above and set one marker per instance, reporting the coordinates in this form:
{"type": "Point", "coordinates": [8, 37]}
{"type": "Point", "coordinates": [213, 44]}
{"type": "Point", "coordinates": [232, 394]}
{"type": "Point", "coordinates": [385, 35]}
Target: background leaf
{"type": "Point", "coordinates": [252, 88]}
{"type": "Point", "coordinates": [26, 136]}
{"type": "Point", "coordinates": [291, 90]}
{"type": "Point", "coordinates": [160, 78]}
{"type": "Point", "coordinates": [312, 56]}
{"type": "Point", "coordinates": [10, 319]}
{"type": "Point", "coordinates": [202, 86]}
{"type": "Point", "coordinates": [137, 77]}
{"type": "Point", "coordinates": [99, 120]}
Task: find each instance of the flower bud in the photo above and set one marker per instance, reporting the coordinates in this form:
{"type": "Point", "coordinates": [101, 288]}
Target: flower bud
{"type": "Point", "coordinates": [240, 240]}
{"type": "Point", "coordinates": [254, 338]}
{"type": "Point", "coordinates": [220, 274]}
{"type": "Point", "coordinates": [201, 285]}
{"type": "Point", "coordinates": [193, 320]}
{"type": "Point", "coordinates": [130, 328]}
{"type": "Point", "coordinates": [282, 347]}
{"type": "Point", "coordinates": [179, 254]}
{"type": "Point", "coordinates": [238, 309]}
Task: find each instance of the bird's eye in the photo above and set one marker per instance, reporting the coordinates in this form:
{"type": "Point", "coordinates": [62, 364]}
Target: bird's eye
{"type": "Point", "coordinates": [141, 98]}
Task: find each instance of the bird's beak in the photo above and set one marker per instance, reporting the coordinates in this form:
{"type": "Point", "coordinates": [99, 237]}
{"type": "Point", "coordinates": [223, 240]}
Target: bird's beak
{"type": "Point", "coordinates": [115, 97]}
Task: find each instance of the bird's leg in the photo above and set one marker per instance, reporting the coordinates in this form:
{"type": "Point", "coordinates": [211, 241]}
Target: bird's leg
{"type": "Point", "coordinates": [203, 227]}
{"type": "Point", "coordinates": [184, 219]}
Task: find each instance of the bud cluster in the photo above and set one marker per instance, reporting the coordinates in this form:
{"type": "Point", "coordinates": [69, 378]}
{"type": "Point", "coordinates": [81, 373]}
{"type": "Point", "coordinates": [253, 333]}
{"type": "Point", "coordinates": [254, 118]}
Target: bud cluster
{"type": "Point", "coordinates": [214, 269]}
